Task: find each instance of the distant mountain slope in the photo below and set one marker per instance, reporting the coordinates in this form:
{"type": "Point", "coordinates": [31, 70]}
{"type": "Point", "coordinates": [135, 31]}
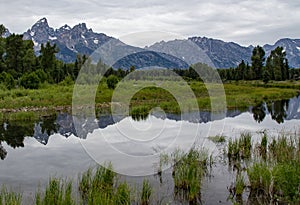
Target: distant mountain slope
{"type": "Point", "coordinates": [148, 59]}
{"type": "Point", "coordinates": [223, 54]}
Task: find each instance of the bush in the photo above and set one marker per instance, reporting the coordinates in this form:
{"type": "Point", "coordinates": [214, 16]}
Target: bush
{"type": "Point", "coordinates": [67, 81]}
{"type": "Point", "coordinates": [112, 81]}
{"type": "Point", "coordinates": [30, 81]}
{"type": "Point", "coordinates": [42, 75]}
{"type": "Point", "coordinates": [7, 80]}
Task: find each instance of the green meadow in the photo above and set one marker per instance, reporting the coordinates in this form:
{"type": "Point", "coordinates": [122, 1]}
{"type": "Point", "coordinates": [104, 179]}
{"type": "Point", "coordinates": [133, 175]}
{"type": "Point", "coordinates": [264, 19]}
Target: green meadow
{"type": "Point", "coordinates": [23, 103]}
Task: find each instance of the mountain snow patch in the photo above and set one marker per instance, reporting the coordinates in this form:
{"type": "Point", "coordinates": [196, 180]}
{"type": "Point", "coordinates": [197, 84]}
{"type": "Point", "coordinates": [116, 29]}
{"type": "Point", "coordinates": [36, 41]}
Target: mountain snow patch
{"type": "Point", "coordinates": [52, 38]}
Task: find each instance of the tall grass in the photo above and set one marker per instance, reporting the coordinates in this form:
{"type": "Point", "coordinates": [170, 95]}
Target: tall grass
{"type": "Point", "coordinates": [146, 193]}
{"type": "Point", "coordinates": [57, 192]}
{"type": "Point", "coordinates": [188, 173]}
{"type": "Point", "coordinates": [98, 187]}
{"type": "Point", "coordinates": [276, 177]}
{"type": "Point", "coordinates": [240, 148]}
{"type": "Point", "coordinates": [9, 197]}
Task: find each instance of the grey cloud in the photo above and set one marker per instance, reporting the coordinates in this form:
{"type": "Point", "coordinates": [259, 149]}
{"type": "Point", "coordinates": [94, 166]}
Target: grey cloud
{"type": "Point", "coordinates": [245, 22]}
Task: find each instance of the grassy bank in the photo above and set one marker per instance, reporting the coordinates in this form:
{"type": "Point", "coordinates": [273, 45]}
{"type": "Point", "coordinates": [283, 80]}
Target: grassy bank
{"type": "Point", "coordinates": [59, 97]}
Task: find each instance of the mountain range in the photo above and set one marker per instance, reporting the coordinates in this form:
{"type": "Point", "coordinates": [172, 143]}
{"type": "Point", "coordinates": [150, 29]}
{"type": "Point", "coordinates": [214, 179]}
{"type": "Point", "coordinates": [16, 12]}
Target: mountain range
{"type": "Point", "coordinates": [170, 54]}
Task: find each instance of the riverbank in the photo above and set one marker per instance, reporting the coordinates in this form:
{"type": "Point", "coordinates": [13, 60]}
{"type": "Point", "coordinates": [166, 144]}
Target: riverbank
{"type": "Point", "coordinates": [29, 103]}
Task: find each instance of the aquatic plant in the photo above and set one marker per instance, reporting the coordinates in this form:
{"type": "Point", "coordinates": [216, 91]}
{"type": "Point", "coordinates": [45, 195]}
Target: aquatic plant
{"type": "Point", "coordinates": [239, 184]}
{"type": "Point", "coordinates": [188, 173]}
{"type": "Point", "coordinates": [286, 178]}
{"type": "Point", "coordinates": [57, 192]}
{"type": "Point", "coordinates": [99, 186]}
{"type": "Point", "coordinates": [122, 195]}
{"type": "Point", "coordinates": [240, 148]}
{"type": "Point", "coordinates": [9, 197]}
{"type": "Point", "coordinates": [146, 193]}
{"type": "Point", "coordinates": [217, 138]}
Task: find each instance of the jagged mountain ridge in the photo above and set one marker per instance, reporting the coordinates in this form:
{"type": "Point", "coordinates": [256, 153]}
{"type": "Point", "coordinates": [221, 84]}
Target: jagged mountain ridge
{"type": "Point", "coordinates": [213, 52]}
{"type": "Point", "coordinates": [82, 40]}
{"type": "Point", "coordinates": [70, 41]}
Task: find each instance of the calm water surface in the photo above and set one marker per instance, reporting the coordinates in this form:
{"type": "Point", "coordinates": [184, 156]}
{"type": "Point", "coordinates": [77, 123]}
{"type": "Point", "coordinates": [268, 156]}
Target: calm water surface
{"type": "Point", "coordinates": [31, 152]}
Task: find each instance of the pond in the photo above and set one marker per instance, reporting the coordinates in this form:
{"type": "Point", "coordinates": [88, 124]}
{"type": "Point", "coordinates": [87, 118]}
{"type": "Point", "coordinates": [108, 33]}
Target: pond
{"type": "Point", "coordinates": [33, 151]}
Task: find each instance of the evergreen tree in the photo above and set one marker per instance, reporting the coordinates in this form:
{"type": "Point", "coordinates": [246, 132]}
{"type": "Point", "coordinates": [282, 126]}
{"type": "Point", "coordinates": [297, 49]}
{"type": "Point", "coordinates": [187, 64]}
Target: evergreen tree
{"type": "Point", "coordinates": [29, 57]}
{"type": "Point", "coordinates": [277, 64]}
{"type": "Point", "coordinates": [240, 71]}
{"type": "Point", "coordinates": [47, 57]}
{"type": "Point", "coordinates": [257, 58]}
{"type": "Point", "coordinates": [14, 54]}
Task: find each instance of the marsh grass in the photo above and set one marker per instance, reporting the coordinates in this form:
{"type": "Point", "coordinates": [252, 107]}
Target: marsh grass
{"type": "Point", "coordinates": [188, 173]}
{"type": "Point", "coordinates": [276, 176]}
{"type": "Point", "coordinates": [217, 139]}
{"type": "Point", "coordinates": [123, 194]}
{"type": "Point", "coordinates": [240, 148]}
{"type": "Point", "coordinates": [98, 187]}
{"type": "Point", "coordinates": [240, 184]}
{"type": "Point", "coordinates": [146, 193]}
{"type": "Point", "coordinates": [57, 192]}
{"type": "Point", "coordinates": [9, 197]}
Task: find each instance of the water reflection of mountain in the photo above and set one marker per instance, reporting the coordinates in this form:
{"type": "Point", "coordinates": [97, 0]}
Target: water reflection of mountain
{"type": "Point", "coordinates": [14, 132]}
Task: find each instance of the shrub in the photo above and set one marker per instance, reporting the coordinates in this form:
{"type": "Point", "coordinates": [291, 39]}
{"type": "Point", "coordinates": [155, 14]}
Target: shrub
{"type": "Point", "coordinates": [7, 80]}
{"type": "Point", "coordinates": [30, 81]}
{"type": "Point", "coordinates": [112, 81]}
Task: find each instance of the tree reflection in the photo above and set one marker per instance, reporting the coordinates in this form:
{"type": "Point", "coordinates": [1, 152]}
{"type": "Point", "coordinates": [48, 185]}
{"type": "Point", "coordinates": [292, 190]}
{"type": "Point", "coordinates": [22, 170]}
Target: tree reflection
{"type": "Point", "coordinates": [259, 112]}
{"type": "Point", "coordinates": [277, 109]}
{"type": "Point", "coordinates": [3, 152]}
{"type": "Point", "coordinates": [13, 132]}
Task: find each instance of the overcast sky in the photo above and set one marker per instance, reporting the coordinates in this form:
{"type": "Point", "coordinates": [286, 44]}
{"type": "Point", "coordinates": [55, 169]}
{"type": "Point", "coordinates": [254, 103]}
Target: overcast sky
{"type": "Point", "coordinates": [245, 22]}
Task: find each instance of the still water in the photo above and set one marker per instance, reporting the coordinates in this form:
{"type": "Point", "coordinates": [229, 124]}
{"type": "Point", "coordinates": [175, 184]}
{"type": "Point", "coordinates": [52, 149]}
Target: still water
{"type": "Point", "coordinates": [31, 152]}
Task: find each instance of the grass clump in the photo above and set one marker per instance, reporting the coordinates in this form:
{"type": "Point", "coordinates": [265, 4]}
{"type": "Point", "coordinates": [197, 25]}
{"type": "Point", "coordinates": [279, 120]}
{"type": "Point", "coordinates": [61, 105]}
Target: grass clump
{"type": "Point", "coordinates": [239, 185]}
{"type": "Point", "coordinates": [146, 193]}
{"type": "Point", "coordinates": [123, 194]}
{"type": "Point", "coordinates": [286, 178]}
{"type": "Point", "coordinates": [188, 173]}
{"type": "Point", "coordinates": [277, 176]}
{"type": "Point", "coordinates": [260, 177]}
{"type": "Point", "coordinates": [98, 187]}
{"type": "Point", "coordinates": [57, 192]}
{"type": "Point", "coordinates": [217, 138]}
{"type": "Point", "coordinates": [9, 197]}
{"type": "Point", "coordinates": [240, 148]}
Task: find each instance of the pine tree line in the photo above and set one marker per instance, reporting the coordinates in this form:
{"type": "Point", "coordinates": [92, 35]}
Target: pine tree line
{"type": "Point", "coordinates": [19, 66]}
{"type": "Point", "coordinates": [275, 67]}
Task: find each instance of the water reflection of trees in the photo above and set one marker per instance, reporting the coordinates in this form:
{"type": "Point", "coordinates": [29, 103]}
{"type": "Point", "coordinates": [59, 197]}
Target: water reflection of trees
{"type": "Point", "coordinates": [14, 132]}
{"type": "Point", "coordinates": [277, 110]}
